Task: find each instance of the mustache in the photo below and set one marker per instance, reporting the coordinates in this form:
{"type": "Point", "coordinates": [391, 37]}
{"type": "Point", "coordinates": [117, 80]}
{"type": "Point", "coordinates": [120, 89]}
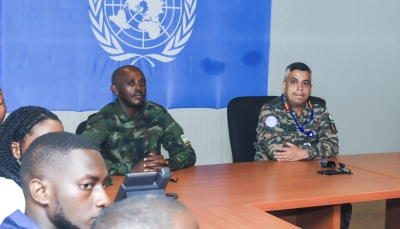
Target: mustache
{"type": "Point", "coordinates": [298, 93]}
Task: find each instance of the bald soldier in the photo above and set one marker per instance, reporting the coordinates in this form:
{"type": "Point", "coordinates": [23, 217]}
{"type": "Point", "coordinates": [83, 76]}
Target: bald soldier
{"type": "Point", "coordinates": [131, 130]}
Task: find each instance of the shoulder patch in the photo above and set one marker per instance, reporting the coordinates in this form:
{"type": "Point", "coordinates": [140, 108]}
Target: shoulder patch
{"type": "Point", "coordinates": [185, 139]}
{"type": "Point", "coordinates": [274, 103]}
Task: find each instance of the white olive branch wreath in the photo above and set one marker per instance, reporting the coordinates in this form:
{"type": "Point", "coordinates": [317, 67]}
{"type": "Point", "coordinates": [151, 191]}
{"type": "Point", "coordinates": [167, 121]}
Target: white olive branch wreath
{"type": "Point", "coordinates": [111, 45]}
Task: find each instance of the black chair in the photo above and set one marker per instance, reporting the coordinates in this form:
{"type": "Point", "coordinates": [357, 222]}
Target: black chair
{"type": "Point", "coordinates": [243, 114]}
{"type": "Point", "coordinates": [82, 126]}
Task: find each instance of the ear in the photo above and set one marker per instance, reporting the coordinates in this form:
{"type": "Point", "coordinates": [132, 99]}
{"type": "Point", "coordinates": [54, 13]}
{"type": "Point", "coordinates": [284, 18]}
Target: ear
{"type": "Point", "coordinates": [114, 90]}
{"type": "Point", "coordinates": [283, 85]}
{"type": "Point", "coordinates": [40, 191]}
{"type": "Point", "coordinates": [16, 150]}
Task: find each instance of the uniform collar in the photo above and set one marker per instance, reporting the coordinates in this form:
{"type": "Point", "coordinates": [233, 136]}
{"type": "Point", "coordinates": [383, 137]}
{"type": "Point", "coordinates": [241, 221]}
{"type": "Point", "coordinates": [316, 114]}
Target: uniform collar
{"type": "Point", "coordinates": [307, 106]}
{"type": "Point", "coordinates": [143, 112]}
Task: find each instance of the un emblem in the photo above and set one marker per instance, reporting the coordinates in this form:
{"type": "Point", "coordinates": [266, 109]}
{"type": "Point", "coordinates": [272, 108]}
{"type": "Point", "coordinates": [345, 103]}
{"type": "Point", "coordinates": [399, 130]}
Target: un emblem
{"type": "Point", "coordinates": [155, 29]}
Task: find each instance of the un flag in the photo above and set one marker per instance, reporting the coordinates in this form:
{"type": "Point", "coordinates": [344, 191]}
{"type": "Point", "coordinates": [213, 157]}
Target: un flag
{"type": "Point", "coordinates": [194, 53]}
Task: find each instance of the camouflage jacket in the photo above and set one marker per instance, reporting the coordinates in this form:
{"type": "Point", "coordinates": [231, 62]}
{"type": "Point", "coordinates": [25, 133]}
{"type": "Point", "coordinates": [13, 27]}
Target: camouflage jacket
{"type": "Point", "coordinates": [124, 141]}
{"type": "Point", "coordinates": [324, 143]}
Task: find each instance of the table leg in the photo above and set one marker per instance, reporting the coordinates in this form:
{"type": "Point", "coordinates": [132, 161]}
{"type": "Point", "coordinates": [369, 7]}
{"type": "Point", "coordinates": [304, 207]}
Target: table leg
{"type": "Point", "coordinates": [392, 217]}
{"type": "Point", "coordinates": [323, 217]}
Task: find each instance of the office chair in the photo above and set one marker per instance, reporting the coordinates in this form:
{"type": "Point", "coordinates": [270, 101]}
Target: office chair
{"type": "Point", "coordinates": [243, 114]}
{"type": "Point", "coordinates": [82, 126]}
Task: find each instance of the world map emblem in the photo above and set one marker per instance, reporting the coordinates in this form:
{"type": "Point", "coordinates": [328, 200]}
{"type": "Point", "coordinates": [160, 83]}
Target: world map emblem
{"type": "Point", "coordinates": [142, 29]}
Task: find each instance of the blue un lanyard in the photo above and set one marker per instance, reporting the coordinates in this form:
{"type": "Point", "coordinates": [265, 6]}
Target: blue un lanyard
{"type": "Point", "coordinates": [310, 134]}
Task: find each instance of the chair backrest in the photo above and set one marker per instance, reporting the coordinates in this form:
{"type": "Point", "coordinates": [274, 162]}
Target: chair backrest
{"type": "Point", "coordinates": [243, 114]}
{"type": "Point", "coordinates": [82, 126]}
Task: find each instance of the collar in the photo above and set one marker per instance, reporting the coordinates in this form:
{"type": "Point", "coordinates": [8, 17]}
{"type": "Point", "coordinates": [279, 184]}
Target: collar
{"type": "Point", "coordinates": [143, 112]}
{"type": "Point", "coordinates": [288, 107]}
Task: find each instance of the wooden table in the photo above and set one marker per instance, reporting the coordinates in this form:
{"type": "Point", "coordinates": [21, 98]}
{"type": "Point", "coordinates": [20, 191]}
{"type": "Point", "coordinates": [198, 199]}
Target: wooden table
{"type": "Point", "coordinates": [236, 195]}
{"type": "Point", "coordinates": [386, 164]}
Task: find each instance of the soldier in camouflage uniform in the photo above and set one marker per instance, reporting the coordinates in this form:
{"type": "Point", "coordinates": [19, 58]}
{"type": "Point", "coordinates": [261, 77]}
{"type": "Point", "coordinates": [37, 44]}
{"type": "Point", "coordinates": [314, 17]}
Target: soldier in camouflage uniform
{"type": "Point", "coordinates": [130, 131]}
{"type": "Point", "coordinates": [297, 127]}
{"type": "Point", "coordinates": [278, 134]}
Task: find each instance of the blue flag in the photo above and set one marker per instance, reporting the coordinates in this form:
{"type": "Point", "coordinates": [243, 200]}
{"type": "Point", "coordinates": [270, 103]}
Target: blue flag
{"type": "Point", "coordinates": [61, 54]}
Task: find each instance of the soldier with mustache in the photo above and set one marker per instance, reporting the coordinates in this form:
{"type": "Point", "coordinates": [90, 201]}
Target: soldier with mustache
{"type": "Point", "coordinates": [131, 130]}
{"type": "Point", "coordinates": [296, 127]}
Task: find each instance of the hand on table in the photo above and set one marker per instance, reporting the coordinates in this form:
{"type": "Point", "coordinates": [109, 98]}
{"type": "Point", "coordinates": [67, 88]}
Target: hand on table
{"type": "Point", "coordinates": [291, 153]}
{"type": "Point", "coordinates": [152, 163]}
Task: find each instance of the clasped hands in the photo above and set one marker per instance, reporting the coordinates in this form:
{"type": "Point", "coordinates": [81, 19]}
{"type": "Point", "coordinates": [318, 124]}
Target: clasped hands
{"type": "Point", "coordinates": [151, 163]}
{"type": "Point", "coordinates": [290, 153]}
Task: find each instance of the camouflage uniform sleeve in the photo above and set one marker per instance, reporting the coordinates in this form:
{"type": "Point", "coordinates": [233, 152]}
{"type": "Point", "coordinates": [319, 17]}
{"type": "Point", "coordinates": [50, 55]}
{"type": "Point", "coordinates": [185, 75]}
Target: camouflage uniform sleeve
{"type": "Point", "coordinates": [177, 144]}
{"type": "Point", "coordinates": [96, 132]}
{"type": "Point", "coordinates": [267, 139]}
{"type": "Point", "coordinates": [327, 145]}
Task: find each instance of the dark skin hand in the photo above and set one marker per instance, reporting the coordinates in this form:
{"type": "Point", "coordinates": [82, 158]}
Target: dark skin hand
{"type": "Point", "coordinates": [152, 163]}
{"type": "Point", "coordinates": [3, 109]}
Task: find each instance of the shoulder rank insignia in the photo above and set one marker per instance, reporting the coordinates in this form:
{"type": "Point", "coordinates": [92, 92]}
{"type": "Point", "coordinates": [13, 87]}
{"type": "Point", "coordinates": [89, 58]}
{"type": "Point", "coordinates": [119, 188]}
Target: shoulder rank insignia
{"type": "Point", "coordinates": [287, 106]}
{"type": "Point", "coordinates": [333, 127]}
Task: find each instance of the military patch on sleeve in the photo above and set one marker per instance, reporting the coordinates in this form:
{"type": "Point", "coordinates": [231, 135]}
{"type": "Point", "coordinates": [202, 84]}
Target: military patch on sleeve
{"type": "Point", "coordinates": [330, 117]}
{"type": "Point", "coordinates": [333, 128]}
{"type": "Point", "coordinates": [185, 140]}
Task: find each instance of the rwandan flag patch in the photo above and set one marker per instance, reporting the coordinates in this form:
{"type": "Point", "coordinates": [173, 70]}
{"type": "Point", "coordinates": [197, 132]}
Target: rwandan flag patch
{"type": "Point", "coordinates": [185, 139]}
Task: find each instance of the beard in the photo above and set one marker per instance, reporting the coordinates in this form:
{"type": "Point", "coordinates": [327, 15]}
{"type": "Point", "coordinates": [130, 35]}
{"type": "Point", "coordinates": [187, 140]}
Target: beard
{"type": "Point", "coordinates": [60, 221]}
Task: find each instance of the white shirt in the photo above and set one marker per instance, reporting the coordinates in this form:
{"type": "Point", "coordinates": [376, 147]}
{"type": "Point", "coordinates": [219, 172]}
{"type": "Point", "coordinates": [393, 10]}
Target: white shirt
{"type": "Point", "coordinates": [11, 198]}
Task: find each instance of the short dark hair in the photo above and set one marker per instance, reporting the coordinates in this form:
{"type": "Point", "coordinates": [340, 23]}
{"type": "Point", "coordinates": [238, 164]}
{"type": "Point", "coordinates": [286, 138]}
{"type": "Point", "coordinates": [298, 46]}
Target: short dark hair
{"type": "Point", "coordinates": [121, 69]}
{"type": "Point", "coordinates": [138, 212]}
{"type": "Point", "coordinates": [14, 129]}
{"type": "Point", "coordinates": [296, 66]}
{"type": "Point", "coordinates": [48, 152]}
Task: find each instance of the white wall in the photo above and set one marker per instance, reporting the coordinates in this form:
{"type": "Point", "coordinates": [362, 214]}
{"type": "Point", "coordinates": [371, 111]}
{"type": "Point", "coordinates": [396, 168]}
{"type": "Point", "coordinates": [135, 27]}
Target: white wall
{"type": "Point", "coordinates": [353, 49]}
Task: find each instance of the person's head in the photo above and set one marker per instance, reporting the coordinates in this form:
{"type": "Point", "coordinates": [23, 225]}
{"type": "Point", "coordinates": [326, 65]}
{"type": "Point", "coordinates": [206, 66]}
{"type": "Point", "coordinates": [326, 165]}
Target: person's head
{"type": "Point", "coordinates": [129, 85]}
{"type": "Point", "coordinates": [297, 84]}
{"type": "Point", "coordinates": [18, 131]}
{"type": "Point", "coordinates": [63, 177]}
{"type": "Point", "coordinates": [142, 212]}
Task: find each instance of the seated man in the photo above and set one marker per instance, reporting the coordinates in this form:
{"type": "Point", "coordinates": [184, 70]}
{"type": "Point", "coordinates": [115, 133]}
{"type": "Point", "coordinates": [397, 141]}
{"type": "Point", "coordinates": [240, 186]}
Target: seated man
{"type": "Point", "coordinates": [63, 178]}
{"type": "Point", "coordinates": [293, 127]}
{"type": "Point", "coordinates": [151, 211]}
{"type": "Point", "coordinates": [130, 131]}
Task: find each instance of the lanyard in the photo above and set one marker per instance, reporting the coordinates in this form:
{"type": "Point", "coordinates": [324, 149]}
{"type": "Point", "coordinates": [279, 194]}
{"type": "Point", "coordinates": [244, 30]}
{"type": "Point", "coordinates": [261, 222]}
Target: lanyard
{"type": "Point", "coordinates": [310, 134]}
